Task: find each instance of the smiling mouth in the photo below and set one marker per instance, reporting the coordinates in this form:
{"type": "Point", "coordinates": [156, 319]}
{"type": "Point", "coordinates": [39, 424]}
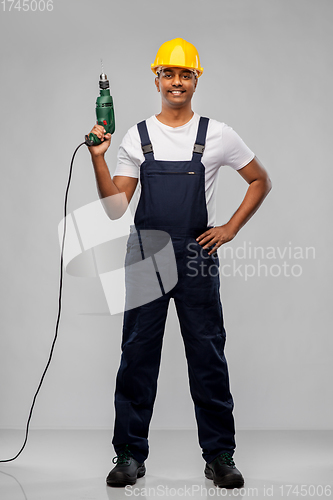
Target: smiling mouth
{"type": "Point", "coordinates": [176, 92]}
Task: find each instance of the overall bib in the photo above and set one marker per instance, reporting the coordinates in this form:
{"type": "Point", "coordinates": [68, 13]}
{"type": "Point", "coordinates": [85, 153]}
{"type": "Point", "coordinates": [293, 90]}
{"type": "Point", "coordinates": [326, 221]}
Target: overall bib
{"type": "Point", "coordinates": [173, 200]}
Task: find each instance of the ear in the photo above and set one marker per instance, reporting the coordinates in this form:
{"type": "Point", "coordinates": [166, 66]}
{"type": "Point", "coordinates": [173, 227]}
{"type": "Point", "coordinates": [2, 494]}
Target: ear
{"type": "Point", "coordinates": [157, 83]}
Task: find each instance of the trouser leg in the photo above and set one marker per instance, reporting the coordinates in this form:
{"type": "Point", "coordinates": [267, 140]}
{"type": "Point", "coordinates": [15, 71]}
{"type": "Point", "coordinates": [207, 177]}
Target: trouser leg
{"type": "Point", "coordinates": [200, 315]}
{"type": "Point", "coordinates": [136, 381]}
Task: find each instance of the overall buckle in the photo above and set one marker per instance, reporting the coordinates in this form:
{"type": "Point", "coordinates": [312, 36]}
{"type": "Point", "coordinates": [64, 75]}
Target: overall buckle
{"type": "Point", "coordinates": [147, 149]}
{"type": "Point", "coordinates": [198, 148]}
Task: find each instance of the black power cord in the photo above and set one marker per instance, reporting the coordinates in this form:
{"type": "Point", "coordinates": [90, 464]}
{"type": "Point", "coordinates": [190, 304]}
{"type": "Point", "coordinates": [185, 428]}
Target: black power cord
{"type": "Point", "coordinates": [57, 324]}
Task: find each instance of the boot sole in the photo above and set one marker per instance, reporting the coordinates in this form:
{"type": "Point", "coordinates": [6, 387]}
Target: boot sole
{"type": "Point", "coordinates": [227, 483]}
{"type": "Point", "coordinates": [130, 480]}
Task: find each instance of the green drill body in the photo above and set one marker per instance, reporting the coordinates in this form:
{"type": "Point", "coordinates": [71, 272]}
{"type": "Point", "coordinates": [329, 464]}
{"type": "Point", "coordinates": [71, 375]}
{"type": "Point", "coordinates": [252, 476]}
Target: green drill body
{"type": "Point", "coordinates": [104, 111]}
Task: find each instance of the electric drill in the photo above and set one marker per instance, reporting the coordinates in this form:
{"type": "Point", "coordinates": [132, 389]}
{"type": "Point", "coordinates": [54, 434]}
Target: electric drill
{"type": "Point", "coordinates": [104, 111]}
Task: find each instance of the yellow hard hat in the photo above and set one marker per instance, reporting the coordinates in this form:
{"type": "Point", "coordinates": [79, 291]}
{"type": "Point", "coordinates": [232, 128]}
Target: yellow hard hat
{"type": "Point", "coordinates": [179, 53]}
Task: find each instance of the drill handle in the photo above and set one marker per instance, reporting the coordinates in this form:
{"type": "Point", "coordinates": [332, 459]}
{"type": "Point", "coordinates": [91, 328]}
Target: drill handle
{"type": "Point", "coordinates": [92, 140]}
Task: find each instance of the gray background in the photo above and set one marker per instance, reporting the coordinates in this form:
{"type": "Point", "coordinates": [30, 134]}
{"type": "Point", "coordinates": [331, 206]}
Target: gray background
{"type": "Point", "coordinates": [268, 74]}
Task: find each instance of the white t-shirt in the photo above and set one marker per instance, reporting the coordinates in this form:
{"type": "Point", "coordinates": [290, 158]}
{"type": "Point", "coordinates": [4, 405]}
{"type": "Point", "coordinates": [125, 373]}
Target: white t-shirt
{"type": "Point", "coordinates": [223, 147]}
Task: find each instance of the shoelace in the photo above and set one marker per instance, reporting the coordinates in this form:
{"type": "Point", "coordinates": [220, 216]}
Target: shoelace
{"type": "Point", "coordinates": [123, 456]}
{"type": "Point", "coordinates": [227, 459]}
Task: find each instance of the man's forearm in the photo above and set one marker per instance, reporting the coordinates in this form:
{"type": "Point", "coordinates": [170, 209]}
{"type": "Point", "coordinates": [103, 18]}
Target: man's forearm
{"type": "Point", "coordinates": [255, 195]}
{"type": "Point", "coordinates": [105, 184]}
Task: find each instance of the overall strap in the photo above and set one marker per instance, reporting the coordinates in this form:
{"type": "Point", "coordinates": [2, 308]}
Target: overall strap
{"type": "Point", "coordinates": [199, 145]}
{"type": "Point", "coordinates": [146, 145]}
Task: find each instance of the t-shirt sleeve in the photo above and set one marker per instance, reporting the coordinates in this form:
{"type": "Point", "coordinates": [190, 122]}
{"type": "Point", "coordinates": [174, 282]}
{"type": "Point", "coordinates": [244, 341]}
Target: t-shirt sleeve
{"type": "Point", "coordinates": [236, 153]}
{"type": "Point", "coordinates": [127, 164]}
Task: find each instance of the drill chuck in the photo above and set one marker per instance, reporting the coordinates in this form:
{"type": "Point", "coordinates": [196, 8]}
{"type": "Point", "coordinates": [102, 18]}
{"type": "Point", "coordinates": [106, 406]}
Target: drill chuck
{"type": "Point", "coordinates": [103, 82]}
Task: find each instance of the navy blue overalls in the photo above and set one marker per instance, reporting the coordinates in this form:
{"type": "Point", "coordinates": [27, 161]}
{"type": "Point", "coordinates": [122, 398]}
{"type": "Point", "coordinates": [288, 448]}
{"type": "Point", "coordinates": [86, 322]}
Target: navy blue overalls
{"type": "Point", "coordinates": [173, 200]}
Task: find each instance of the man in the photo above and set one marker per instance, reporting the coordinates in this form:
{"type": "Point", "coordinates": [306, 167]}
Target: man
{"type": "Point", "coordinates": [162, 151]}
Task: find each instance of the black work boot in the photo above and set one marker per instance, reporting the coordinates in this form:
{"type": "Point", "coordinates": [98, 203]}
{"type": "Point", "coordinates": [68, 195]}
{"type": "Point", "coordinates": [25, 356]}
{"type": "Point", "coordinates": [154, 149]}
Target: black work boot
{"type": "Point", "coordinates": [127, 469]}
{"type": "Point", "coordinates": [223, 472]}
